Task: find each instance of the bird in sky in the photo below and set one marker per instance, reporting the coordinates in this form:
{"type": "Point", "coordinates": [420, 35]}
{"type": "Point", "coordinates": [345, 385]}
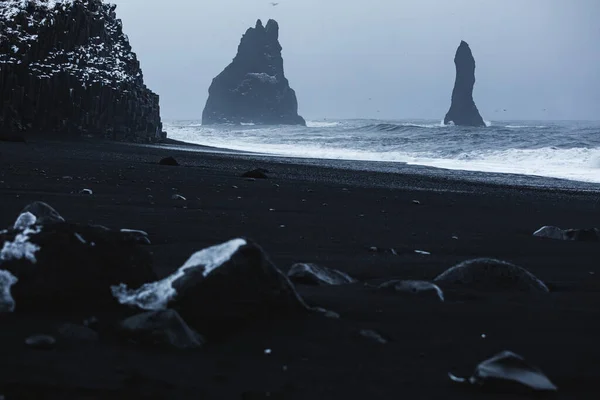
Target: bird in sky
{"type": "Point", "coordinates": [274, 4]}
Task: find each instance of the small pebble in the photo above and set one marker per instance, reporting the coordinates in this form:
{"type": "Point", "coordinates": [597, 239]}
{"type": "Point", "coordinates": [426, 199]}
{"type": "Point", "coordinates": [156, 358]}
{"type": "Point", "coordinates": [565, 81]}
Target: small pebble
{"type": "Point", "coordinates": [268, 351]}
{"type": "Point", "coordinates": [417, 202]}
{"type": "Point", "coordinates": [373, 335]}
{"type": "Point", "coordinates": [86, 191]}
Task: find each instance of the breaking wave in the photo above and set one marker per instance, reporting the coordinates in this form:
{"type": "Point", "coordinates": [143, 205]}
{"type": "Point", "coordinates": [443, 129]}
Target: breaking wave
{"type": "Point", "coordinates": [556, 150]}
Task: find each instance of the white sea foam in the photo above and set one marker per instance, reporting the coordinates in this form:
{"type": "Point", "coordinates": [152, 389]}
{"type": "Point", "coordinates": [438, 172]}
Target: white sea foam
{"type": "Point", "coordinates": [439, 146]}
{"type": "Point", "coordinates": [321, 124]}
{"type": "Point", "coordinates": [526, 126]}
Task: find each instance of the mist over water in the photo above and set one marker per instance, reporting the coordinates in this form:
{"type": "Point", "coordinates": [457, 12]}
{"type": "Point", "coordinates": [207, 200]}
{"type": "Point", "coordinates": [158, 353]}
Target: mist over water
{"type": "Point", "coordinates": [567, 150]}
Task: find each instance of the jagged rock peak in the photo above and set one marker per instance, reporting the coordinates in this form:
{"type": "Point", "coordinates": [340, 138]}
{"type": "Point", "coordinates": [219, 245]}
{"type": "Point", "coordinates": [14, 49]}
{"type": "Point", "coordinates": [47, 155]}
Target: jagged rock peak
{"type": "Point", "coordinates": [463, 110]}
{"type": "Point", "coordinates": [253, 88]}
{"type": "Point", "coordinates": [67, 68]}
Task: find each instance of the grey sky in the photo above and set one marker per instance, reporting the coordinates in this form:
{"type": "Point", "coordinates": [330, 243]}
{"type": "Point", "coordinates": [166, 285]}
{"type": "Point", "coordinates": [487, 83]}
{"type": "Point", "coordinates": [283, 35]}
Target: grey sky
{"type": "Point", "coordinates": [531, 54]}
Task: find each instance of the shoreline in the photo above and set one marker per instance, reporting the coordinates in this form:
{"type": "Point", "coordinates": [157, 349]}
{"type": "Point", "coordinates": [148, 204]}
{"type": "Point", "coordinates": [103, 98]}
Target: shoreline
{"type": "Point", "coordinates": [563, 168]}
{"type": "Point", "coordinates": [532, 182]}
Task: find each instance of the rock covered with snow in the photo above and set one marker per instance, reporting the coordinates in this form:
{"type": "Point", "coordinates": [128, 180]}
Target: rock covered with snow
{"type": "Point", "coordinates": [312, 274]}
{"type": "Point", "coordinates": [7, 280]}
{"type": "Point", "coordinates": [43, 213]}
{"type": "Point", "coordinates": [67, 68]}
{"type": "Point", "coordinates": [253, 88]}
{"type": "Point", "coordinates": [220, 287]}
{"type": "Point", "coordinates": [463, 110]}
{"type": "Point", "coordinates": [62, 265]}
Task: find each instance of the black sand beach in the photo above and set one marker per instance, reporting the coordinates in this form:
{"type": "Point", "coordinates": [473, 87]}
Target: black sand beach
{"type": "Point", "coordinates": [330, 217]}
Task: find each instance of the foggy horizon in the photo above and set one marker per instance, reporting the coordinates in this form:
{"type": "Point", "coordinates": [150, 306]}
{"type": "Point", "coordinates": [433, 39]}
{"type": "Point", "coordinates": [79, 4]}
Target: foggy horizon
{"type": "Point", "coordinates": [536, 59]}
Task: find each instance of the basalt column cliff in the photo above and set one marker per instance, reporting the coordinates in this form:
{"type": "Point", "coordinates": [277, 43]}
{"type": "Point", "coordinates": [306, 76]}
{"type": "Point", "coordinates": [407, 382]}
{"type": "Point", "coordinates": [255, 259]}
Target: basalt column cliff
{"type": "Point", "coordinates": [463, 110]}
{"type": "Point", "coordinates": [253, 88]}
{"type": "Point", "coordinates": [67, 69]}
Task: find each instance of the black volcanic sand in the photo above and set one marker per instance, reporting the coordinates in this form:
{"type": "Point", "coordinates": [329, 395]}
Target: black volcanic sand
{"type": "Point", "coordinates": [329, 217]}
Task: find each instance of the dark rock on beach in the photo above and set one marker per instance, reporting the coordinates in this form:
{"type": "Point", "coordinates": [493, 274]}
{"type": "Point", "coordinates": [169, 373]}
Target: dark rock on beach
{"type": "Point", "coordinates": [62, 266]}
{"type": "Point", "coordinates": [161, 328]}
{"type": "Point", "coordinates": [463, 110]}
{"type": "Point", "coordinates": [41, 342]}
{"type": "Point", "coordinates": [220, 287]}
{"type": "Point", "coordinates": [508, 372]}
{"type": "Point", "coordinates": [578, 235]}
{"type": "Point", "coordinates": [421, 289]}
{"type": "Point", "coordinates": [253, 88]}
{"type": "Point", "coordinates": [258, 173]}
{"type": "Point", "coordinates": [170, 161]}
{"type": "Point", "coordinates": [490, 275]}
{"type": "Point", "coordinates": [77, 333]}
{"type": "Point", "coordinates": [43, 213]}
{"type": "Point", "coordinates": [312, 274]}
{"type": "Point", "coordinates": [67, 69]}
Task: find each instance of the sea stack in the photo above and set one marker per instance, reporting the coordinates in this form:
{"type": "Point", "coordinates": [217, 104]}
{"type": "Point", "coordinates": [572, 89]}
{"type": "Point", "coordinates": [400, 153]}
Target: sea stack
{"type": "Point", "coordinates": [463, 110]}
{"type": "Point", "coordinates": [253, 88]}
{"type": "Point", "coordinates": [67, 69]}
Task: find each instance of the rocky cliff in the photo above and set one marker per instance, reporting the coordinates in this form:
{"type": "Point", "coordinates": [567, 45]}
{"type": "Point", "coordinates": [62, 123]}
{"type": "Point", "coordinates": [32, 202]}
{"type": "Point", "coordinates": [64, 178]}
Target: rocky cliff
{"type": "Point", "coordinates": [66, 68]}
{"type": "Point", "coordinates": [253, 88]}
{"type": "Point", "coordinates": [463, 110]}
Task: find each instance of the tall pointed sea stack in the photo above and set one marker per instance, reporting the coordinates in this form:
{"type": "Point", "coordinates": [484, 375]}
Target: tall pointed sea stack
{"type": "Point", "coordinates": [253, 88]}
{"type": "Point", "coordinates": [463, 110]}
{"type": "Point", "coordinates": [67, 69]}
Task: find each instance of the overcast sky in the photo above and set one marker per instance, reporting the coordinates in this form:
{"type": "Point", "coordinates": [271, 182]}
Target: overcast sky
{"type": "Point", "coordinates": [538, 59]}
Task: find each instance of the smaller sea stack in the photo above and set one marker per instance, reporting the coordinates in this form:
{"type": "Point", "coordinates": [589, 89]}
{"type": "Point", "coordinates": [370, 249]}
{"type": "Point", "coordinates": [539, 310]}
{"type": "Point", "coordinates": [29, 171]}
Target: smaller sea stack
{"type": "Point", "coordinates": [253, 88]}
{"type": "Point", "coordinates": [463, 110]}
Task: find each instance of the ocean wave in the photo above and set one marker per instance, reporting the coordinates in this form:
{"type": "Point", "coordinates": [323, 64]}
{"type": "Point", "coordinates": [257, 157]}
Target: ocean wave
{"type": "Point", "coordinates": [569, 153]}
{"type": "Point", "coordinates": [526, 127]}
{"type": "Point", "coordinates": [390, 127]}
{"type": "Point", "coordinates": [321, 124]}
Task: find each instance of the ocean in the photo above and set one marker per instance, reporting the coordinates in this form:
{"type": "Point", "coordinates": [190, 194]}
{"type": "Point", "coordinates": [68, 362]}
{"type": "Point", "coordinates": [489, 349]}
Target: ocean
{"type": "Point", "coordinates": [558, 149]}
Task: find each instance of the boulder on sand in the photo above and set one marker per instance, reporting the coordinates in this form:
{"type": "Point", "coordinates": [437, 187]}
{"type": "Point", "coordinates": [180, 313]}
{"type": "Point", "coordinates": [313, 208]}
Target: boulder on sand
{"type": "Point", "coordinates": [508, 372]}
{"type": "Point", "coordinates": [414, 288]}
{"type": "Point", "coordinates": [160, 328]}
{"type": "Point", "coordinates": [579, 235]}
{"type": "Point", "coordinates": [66, 266]}
{"type": "Point", "coordinates": [220, 287]}
{"type": "Point", "coordinates": [490, 275]}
